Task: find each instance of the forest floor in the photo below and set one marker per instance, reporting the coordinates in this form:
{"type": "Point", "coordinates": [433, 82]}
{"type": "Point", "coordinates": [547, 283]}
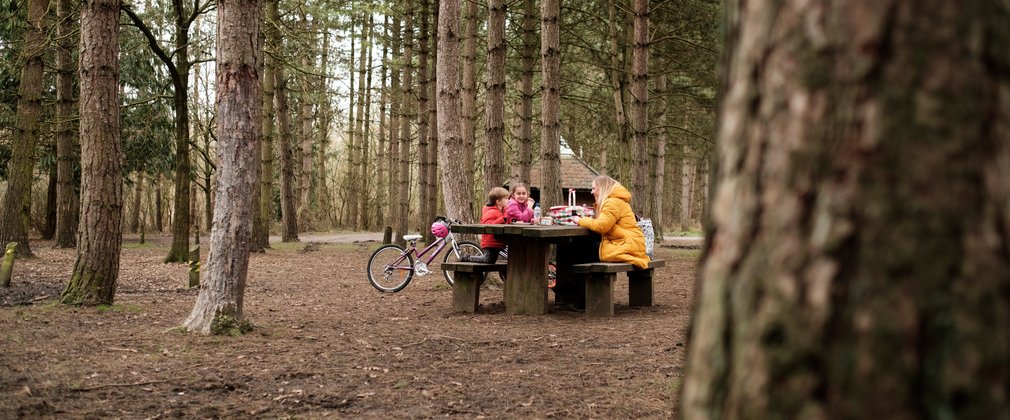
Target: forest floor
{"type": "Point", "coordinates": [326, 344]}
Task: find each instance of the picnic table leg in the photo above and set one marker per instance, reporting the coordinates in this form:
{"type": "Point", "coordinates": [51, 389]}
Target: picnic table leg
{"type": "Point", "coordinates": [570, 289]}
{"type": "Point", "coordinates": [465, 291]}
{"type": "Point", "coordinates": [526, 287]}
{"type": "Point", "coordinates": [600, 294]}
{"type": "Point", "coordinates": [640, 287]}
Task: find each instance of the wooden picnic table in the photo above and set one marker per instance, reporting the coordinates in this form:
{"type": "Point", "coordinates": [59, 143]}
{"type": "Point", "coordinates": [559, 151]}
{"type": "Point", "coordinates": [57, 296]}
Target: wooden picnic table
{"type": "Point", "coordinates": [529, 251]}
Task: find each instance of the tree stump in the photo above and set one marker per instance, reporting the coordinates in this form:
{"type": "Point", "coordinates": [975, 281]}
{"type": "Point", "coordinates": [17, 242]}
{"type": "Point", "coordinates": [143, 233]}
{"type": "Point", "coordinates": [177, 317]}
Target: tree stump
{"type": "Point", "coordinates": [7, 266]}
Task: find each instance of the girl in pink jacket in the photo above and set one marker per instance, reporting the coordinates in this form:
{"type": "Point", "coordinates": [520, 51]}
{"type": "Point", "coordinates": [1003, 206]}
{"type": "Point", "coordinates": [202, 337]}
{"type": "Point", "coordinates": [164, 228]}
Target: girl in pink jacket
{"type": "Point", "coordinates": [520, 205]}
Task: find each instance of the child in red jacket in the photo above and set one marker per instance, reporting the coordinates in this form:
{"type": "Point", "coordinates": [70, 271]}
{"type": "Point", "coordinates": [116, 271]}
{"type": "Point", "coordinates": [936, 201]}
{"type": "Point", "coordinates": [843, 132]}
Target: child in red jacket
{"type": "Point", "coordinates": [494, 214]}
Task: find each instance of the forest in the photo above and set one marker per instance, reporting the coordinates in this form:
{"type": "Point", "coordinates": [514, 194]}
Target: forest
{"type": "Point", "coordinates": [191, 191]}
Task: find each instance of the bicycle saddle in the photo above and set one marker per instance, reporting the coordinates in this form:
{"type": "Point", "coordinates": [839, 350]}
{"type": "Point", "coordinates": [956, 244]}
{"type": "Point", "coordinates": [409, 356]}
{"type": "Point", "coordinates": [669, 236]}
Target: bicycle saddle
{"type": "Point", "coordinates": [411, 237]}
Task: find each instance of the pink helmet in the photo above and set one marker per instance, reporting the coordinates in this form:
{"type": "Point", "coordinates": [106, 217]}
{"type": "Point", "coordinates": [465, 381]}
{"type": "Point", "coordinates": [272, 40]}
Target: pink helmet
{"type": "Point", "coordinates": [440, 229]}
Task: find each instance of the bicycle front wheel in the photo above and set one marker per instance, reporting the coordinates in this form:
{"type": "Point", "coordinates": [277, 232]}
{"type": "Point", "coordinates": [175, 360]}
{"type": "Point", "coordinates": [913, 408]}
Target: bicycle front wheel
{"type": "Point", "coordinates": [390, 268]}
{"type": "Point", "coordinates": [465, 248]}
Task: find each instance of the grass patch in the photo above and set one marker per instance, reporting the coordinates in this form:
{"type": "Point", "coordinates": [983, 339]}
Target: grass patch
{"type": "Point", "coordinates": [690, 233]}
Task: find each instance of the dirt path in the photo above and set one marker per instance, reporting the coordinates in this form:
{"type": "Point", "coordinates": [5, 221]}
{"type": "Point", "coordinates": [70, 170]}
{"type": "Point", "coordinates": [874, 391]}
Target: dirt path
{"type": "Point", "coordinates": [326, 343]}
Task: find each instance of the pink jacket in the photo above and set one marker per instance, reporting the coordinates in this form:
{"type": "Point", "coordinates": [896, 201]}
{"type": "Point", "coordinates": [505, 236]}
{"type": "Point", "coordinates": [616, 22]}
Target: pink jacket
{"type": "Point", "coordinates": [518, 212]}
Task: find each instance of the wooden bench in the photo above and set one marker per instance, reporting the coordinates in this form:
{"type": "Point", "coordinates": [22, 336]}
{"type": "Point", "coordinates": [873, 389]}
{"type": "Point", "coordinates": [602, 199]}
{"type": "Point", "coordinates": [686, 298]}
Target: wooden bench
{"type": "Point", "coordinates": [599, 278]}
{"type": "Point", "coordinates": [466, 280]}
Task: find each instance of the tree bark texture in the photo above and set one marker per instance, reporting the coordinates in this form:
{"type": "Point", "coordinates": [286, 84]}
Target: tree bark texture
{"type": "Point", "coordinates": [218, 308]}
{"type": "Point", "coordinates": [395, 117]}
{"type": "Point", "coordinates": [93, 281]}
{"type": "Point", "coordinates": [618, 82]}
{"type": "Point", "coordinates": [526, 90]}
{"type": "Point", "coordinates": [349, 195]}
{"type": "Point", "coordinates": [657, 177]}
{"type": "Point", "coordinates": [49, 224]}
{"type": "Point", "coordinates": [457, 180]}
{"type": "Point", "coordinates": [550, 137]}
{"type": "Point", "coordinates": [326, 118]}
{"type": "Point", "coordinates": [180, 78]}
{"type": "Point", "coordinates": [289, 214]}
{"type": "Point", "coordinates": [366, 134]}
{"type": "Point", "coordinates": [359, 172]}
{"type": "Point", "coordinates": [858, 263]}
{"type": "Point", "coordinates": [468, 89]}
{"type": "Point", "coordinates": [686, 188]}
{"type": "Point", "coordinates": [431, 172]}
{"type": "Point", "coordinates": [138, 190]}
{"type": "Point", "coordinates": [380, 150]}
{"type": "Point", "coordinates": [16, 211]}
{"type": "Point", "coordinates": [423, 118]}
{"type": "Point", "coordinates": [640, 108]}
{"type": "Point", "coordinates": [266, 178]}
{"type": "Point", "coordinates": [305, 145]}
{"type": "Point", "coordinates": [494, 160]}
{"type": "Point", "coordinates": [66, 151]}
{"type": "Point", "coordinates": [403, 193]}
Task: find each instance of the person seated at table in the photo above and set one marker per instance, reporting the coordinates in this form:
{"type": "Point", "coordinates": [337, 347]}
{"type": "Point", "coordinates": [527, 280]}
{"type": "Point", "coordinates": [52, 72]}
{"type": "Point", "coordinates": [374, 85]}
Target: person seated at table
{"type": "Point", "coordinates": [520, 205]}
{"type": "Point", "coordinates": [622, 239]}
{"type": "Point", "coordinates": [493, 214]}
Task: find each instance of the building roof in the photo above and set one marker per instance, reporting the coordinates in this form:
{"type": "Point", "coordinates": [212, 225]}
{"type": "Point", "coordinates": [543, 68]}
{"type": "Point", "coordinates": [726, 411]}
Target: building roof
{"type": "Point", "coordinates": [574, 173]}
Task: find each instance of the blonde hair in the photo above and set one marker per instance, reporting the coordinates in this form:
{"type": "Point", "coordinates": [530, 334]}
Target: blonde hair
{"type": "Point", "coordinates": [513, 187]}
{"type": "Point", "coordinates": [604, 187]}
{"type": "Point", "coordinates": [496, 193]}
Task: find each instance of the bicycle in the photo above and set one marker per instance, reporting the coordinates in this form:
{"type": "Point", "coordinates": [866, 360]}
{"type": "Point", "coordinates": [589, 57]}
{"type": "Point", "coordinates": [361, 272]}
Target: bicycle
{"type": "Point", "coordinates": [392, 267]}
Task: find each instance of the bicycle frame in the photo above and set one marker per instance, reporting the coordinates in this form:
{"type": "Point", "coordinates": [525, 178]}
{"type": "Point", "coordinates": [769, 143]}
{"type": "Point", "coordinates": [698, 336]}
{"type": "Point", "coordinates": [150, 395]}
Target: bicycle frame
{"type": "Point", "coordinates": [438, 246]}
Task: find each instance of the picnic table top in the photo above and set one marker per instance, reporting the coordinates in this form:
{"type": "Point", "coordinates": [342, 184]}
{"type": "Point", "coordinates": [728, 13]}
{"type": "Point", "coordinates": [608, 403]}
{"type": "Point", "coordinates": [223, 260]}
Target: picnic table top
{"type": "Point", "coordinates": [528, 231]}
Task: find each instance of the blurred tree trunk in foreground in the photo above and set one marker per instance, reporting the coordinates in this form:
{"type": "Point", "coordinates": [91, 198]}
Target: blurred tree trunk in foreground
{"type": "Point", "coordinates": [858, 263]}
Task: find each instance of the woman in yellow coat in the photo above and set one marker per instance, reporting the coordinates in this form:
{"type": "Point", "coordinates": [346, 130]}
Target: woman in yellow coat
{"type": "Point", "coordinates": [622, 240]}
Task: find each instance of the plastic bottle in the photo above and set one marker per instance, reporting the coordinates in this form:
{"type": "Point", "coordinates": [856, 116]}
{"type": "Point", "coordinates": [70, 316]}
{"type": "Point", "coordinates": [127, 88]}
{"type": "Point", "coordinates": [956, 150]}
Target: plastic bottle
{"type": "Point", "coordinates": [536, 213]}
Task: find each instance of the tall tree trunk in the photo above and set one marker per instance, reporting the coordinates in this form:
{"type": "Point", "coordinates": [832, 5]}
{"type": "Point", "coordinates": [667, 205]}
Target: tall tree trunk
{"type": "Point", "coordinates": [423, 81]}
{"type": "Point", "coordinates": [138, 194]}
{"type": "Point", "coordinates": [366, 135]}
{"type": "Point", "coordinates": [406, 105]}
{"type": "Point", "coordinates": [266, 175]}
{"type": "Point", "coordinates": [640, 109]}
{"type": "Point", "coordinates": [858, 265]}
{"type": "Point", "coordinates": [526, 90]}
{"type": "Point", "coordinates": [181, 216]}
{"type": "Point", "coordinates": [381, 165]}
{"type": "Point", "coordinates": [326, 118]}
{"type": "Point", "coordinates": [686, 188]}
{"type": "Point", "coordinates": [218, 308]}
{"type": "Point", "coordinates": [550, 136]}
{"type": "Point", "coordinates": [49, 225]}
{"type": "Point", "coordinates": [457, 180]}
{"type": "Point", "coordinates": [396, 96]}
{"type": "Point", "coordinates": [289, 216]}
{"type": "Point", "coordinates": [469, 87]}
{"type": "Point", "coordinates": [657, 177]}
{"type": "Point", "coordinates": [16, 209]}
{"type": "Point", "coordinates": [66, 151]}
{"type": "Point", "coordinates": [358, 171]}
{"type": "Point", "coordinates": [93, 281]}
{"type": "Point", "coordinates": [432, 169]}
{"type": "Point", "coordinates": [494, 160]}
{"type": "Point", "coordinates": [352, 161]}
{"type": "Point", "coordinates": [305, 144]}
{"type": "Point", "coordinates": [159, 216]}
{"type": "Point", "coordinates": [617, 84]}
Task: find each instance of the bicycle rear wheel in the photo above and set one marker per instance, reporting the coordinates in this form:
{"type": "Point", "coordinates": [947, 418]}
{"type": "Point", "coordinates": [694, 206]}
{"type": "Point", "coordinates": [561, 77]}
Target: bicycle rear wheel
{"type": "Point", "coordinates": [465, 248]}
{"type": "Point", "coordinates": [390, 268]}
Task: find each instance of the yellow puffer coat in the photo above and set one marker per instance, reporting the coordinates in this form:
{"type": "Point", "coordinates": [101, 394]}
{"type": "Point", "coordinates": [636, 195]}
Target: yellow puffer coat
{"type": "Point", "coordinates": [622, 241]}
